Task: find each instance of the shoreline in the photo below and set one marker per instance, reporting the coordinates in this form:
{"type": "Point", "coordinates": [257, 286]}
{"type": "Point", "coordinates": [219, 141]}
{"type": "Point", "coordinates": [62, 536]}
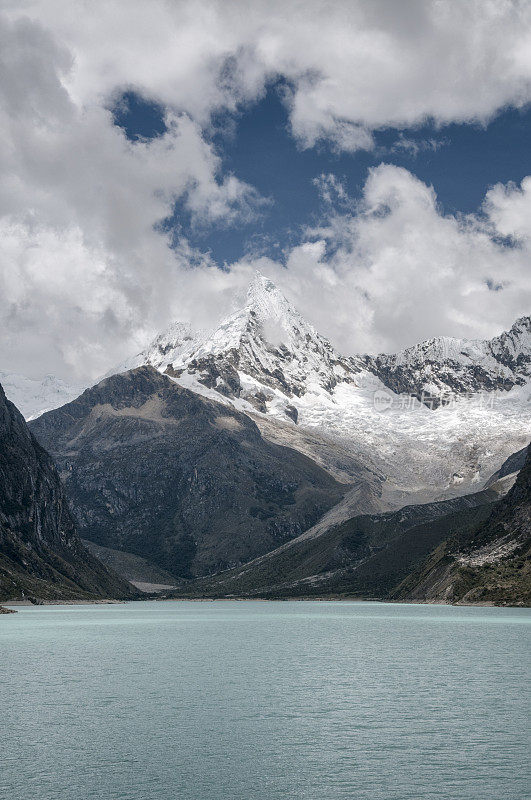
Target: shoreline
{"type": "Point", "coordinates": [43, 602]}
{"type": "Point", "coordinates": [6, 606]}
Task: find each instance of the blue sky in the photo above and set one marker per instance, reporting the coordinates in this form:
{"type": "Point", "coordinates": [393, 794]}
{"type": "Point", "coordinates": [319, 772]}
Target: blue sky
{"type": "Point", "coordinates": [461, 162]}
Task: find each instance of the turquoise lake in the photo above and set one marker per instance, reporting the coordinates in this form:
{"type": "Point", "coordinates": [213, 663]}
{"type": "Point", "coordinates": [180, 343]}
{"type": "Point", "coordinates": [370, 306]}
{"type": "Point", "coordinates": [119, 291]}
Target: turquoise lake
{"type": "Point", "coordinates": [264, 701]}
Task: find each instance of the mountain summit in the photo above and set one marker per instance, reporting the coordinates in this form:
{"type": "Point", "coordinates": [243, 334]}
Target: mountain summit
{"type": "Point", "coordinates": [262, 350]}
{"type": "Point", "coordinates": [266, 348]}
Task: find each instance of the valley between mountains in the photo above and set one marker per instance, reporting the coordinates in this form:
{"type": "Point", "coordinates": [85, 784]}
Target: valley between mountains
{"type": "Point", "coordinates": [254, 460]}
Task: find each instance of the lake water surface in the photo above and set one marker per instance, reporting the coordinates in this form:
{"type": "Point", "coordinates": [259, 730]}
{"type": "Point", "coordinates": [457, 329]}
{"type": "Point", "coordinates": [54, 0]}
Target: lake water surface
{"type": "Point", "coordinates": [264, 701]}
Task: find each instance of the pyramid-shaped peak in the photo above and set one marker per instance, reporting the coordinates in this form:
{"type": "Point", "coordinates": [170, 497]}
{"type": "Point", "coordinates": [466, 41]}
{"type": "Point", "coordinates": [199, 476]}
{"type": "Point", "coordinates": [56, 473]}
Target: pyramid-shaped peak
{"type": "Point", "coordinates": [262, 285]}
{"type": "Point", "coordinates": [266, 300]}
{"type": "Point", "coordinates": [261, 281]}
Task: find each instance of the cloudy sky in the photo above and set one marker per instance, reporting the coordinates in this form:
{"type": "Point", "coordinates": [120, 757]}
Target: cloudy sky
{"type": "Point", "coordinates": [372, 157]}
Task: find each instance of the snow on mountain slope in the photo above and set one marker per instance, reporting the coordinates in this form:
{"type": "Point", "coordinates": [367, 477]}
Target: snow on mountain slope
{"type": "Point", "coordinates": [437, 370]}
{"type": "Point", "coordinates": [265, 359]}
{"type": "Point", "coordinates": [270, 342]}
{"type": "Point", "coordinates": [33, 397]}
{"type": "Point", "coordinates": [262, 350]}
{"type": "Point", "coordinates": [177, 342]}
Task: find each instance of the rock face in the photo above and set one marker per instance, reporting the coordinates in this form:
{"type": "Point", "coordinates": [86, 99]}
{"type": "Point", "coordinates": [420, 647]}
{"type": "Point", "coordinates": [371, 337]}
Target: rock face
{"type": "Point", "coordinates": [511, 466]}
{"type": "Point", "coordinates": [187, 483]}
{"type": "Point", "coordinates": [485, 563]}
{"type": "Point", "coordinates": [40, 551]}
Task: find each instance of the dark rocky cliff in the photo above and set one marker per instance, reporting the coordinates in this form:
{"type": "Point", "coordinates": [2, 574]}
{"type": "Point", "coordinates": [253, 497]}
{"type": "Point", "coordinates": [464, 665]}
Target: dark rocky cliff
{"type": "Point", "coordinates": [487, 563]}
{"type": "Point", "coordinates": [40, 551]}
{"type": "Point", "coordinates": [188, 483]}
{"type": "Point", "coordinates": [365, 556]}
{"type": "Point", "coordinates": [471, 549]}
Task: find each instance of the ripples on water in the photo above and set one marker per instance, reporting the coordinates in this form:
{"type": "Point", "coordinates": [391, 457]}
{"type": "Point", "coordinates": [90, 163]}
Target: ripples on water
{"type": "Point", "coordinates": [264, 701]}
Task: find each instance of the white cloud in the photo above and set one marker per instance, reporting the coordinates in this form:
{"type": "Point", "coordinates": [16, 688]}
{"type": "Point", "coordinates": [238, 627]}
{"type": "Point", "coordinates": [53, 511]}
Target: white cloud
{"type": "Point", "coordinates": [413, 147]}
{"type": "Point", "coordinates": [82, 263]}
{"type": "Point", "coordinates": [509, 209]}
{"type": "Point", "coordinates": [332, 190]}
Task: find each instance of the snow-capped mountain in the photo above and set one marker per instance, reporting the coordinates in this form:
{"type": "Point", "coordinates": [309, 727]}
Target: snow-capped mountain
{"type": "Point", "coordinates": [439, 369]}
{"type": "Point", "coordinates": [261, 351]}
{"type": "Point", "coordinates": [266, 360]}
{"type": "Point", "coordinates": [34, 397]}
{"type": "Point", "coordinates": [267, 348]}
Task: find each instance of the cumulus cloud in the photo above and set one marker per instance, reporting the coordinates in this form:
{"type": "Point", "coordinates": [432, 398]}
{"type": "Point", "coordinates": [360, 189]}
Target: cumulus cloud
{"type": "Point", "coordinates": [392, 269]}
{"type": "Point", "coordinates": [83, 258]}
{"type": "Point", "coordinates": [351, 66]}
{"type": "Point", "coordinates": [509, 209]}
{"type": "Point", "coordinates": [87, 273]}
{"type": "Point", "coordinates": [396, 270]}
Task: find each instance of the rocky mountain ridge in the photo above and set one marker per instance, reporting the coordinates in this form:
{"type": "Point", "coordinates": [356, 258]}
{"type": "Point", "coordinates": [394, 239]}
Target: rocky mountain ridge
{"type": "Point", "coordinates": [190, 484]}
{"type": "Point", "coordinates": [40, 551]}
{"type": "Point", "coordinates": [473, 548]}
{"type": "Point", "coordinates": [489, 562]}
{"type": "Point", "coordinates": [269, 342]}
{"type": "Point", "coordinates": [433, 421]}
{"type": "Point", "coordinates": [266, 354]}
{"type": "Point", "coordinates": [440, 369]}
{"type": "Point", "coordinates": [365, 556]}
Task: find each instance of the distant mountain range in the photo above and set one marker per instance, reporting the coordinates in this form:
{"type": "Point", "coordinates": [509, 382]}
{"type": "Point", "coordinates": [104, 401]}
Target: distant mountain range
{"type": "Point", "coordinates": [258, 453]}
{"type": "Point", "coordinates": [266, 354]}
{"type": "Point", "coordinates": [438, 370]}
